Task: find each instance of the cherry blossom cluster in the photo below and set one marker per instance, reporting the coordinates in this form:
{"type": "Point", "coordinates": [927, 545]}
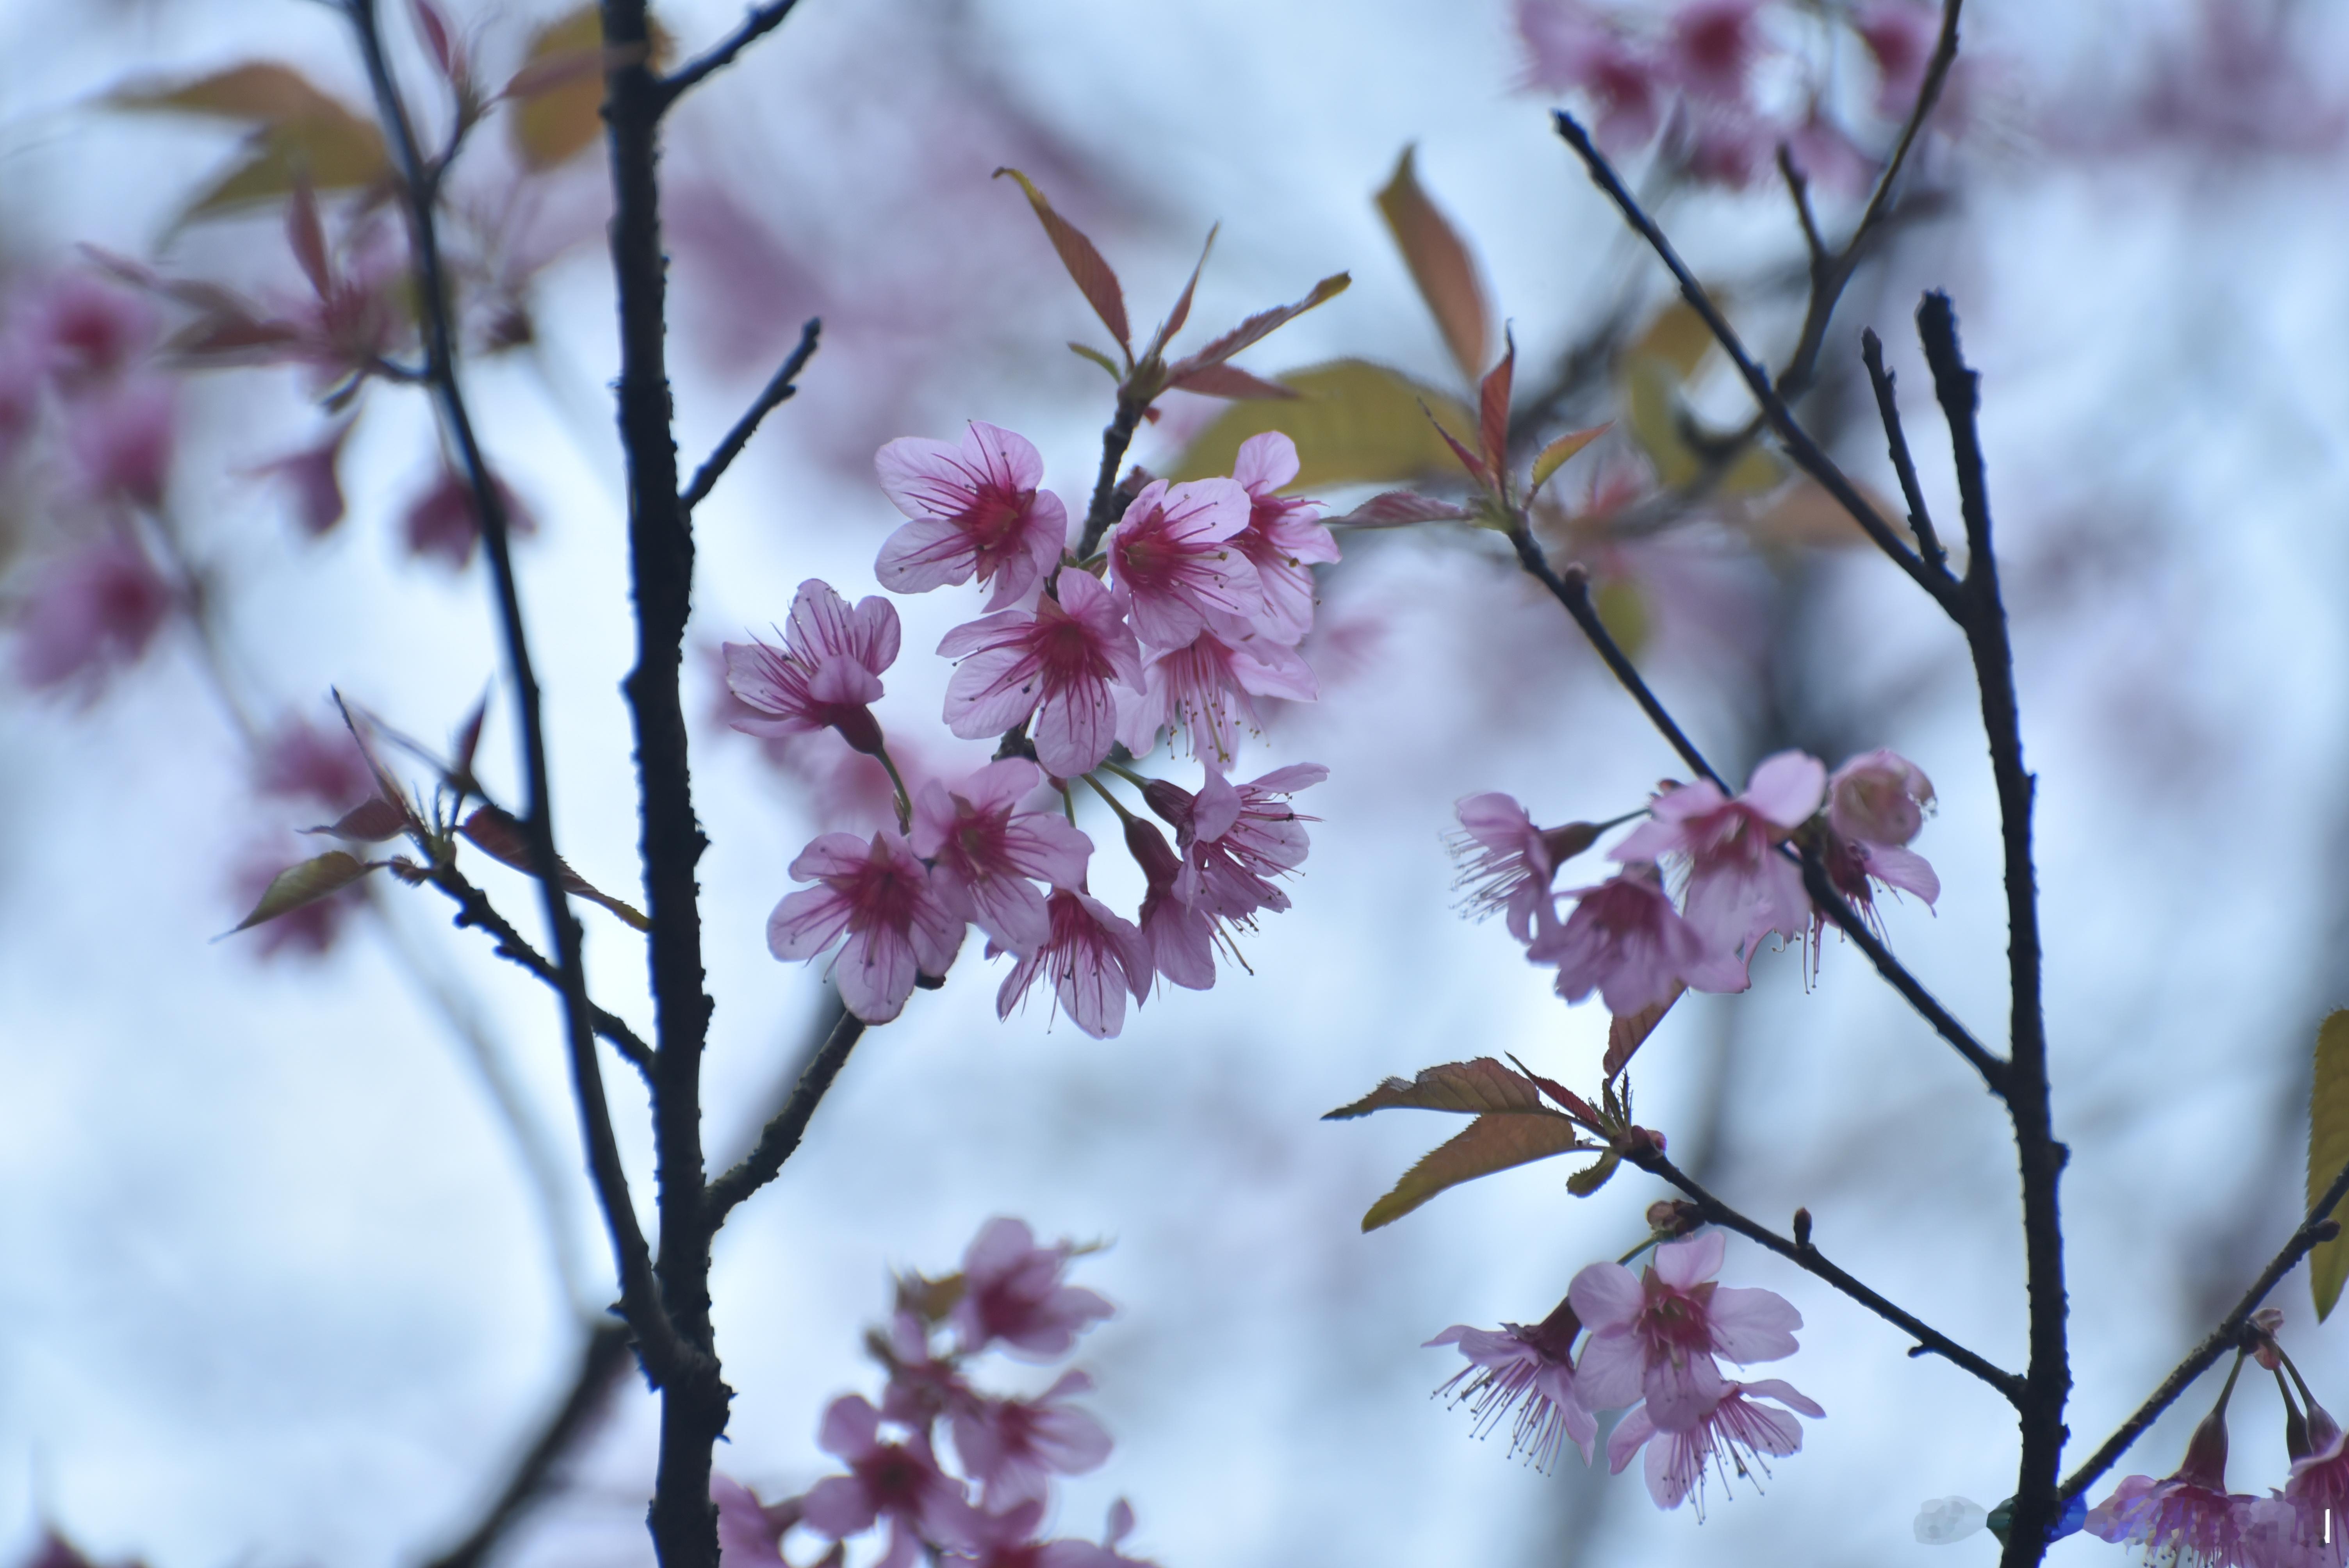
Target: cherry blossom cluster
{"type": "Point", "coordinates": [1191, 609]}
{"type": "Point", "coordinates": [1720, 82]}
{"type": "Point", "coordinates": [1652, 1338]}
{"type": "Point", "coordinates": [1009, 1295]}
{"type": "Point", "coordinates": [1626, 938]}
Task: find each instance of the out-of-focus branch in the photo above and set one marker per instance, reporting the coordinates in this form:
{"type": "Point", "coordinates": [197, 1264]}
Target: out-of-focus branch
{"type": "Point", "coordinates": [664, 1354]}
{"type": "Point", "coordinates": [760, 21]}
{"type": "Point", "coordinates": [1797, 1249]}
{"type": "Point", "coordinates": [781, 1136]}
{"type": "Point", "coordinates": [777, 392]}
{"type": "Point", "coordinates": [474, 908]}
{"type": "Point", "coordinates": [601, 1363]}
{"type": "Point", "coordinates": [2316, 1228]}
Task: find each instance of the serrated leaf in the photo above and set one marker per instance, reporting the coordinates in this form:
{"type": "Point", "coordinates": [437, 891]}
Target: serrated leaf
{"type": "Point", "coordinates": [1261, 326]}
{"type": "Point", "coordinates": [1471, 1087]}
{"type": "Point", "coordinates": [319, 877]}
{"type": "Point", "coordinates": [1591, 1177]}
{"type": "Point", "coordinates": [371, 821]}
{"type": "Point", "coordinates": [2328, 1152]}
{"type": "Point", "coordinates": [1554, 455]}
{"type": "Point", "coordinates": [1398, 509]}
{"type": "Point", "coordinates": [1091, 273]}
{"type": "Point", "coordinates": [1440, 264]}
{"type": "Point", "coordinates": [498, 835]}
{"type": "Point", "coordinates": [1489, 1143]}
{"type": "Point", "coordinates": [1626, 1032]}
{"type": "Point", "coordinates": [1353, 423]}
{"type": "Point", "coordinates": [1230, 381]}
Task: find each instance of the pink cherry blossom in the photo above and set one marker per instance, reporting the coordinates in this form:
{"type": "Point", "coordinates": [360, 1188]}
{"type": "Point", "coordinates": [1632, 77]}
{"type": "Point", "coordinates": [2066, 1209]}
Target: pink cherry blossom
{"type": "Point", "coordinates": [1875, 805]}
{"type": "Point", "coordinates": [1284, 539]}
{"type": "Point", "coordinates": [119, 442]}
{"type": "Point", "coordinates": [89, 613]}
{"type": "Point", "coordinates": [2190, 1516]}
{"type": "Point", "coordinates": [1572, 46]}
{"type": "Point", "coordinates": [1205, 692]}
{"type": "Point", "coordinates": [1729, 1437]}
{"type": "Point", "coordinates": [1525, 1369]}
{"type": "Point", "coordinates": [1012, 1543]}
{"type": "Point", "coordinates": [1013, 1448]}
{"type": "Point", "coordinates": [1507, 863]}
{"type": "Point", "coordinates": [1056, 662]}
{"type": "Point", "coordinates": [1654, 1334]}
{"type": "Point", "coordinates": [444, 524]}
{"type": "Point", "coordinates": [1626, 942]}
{"type": "Point", "coordinates": [879, 896]}
{"type": "Point", "coordinates": [1013, 1294]}
{"type": "Point", "coordinates": [750, 1533]}
{"type": "Point", "coordinates": [1740, 887]}
{"type": "Point", "coordinates": [976, 511]}
{"type": "Point", "coordinates": [923, 1385]}
{"type": "Point", "coordinates": [1176, 563]}
{"type": "Point", "coordinates": [1182, 939]}
{"type": "Point", "coordinates": [311, 474]}
{"type": "Point", "coordinates": [1712, 47]}
{"type": "Point", "coordinates": [2317, 1491]}
{"type": "Point", "coordinates": [1236, 837]}
{"type": "Point", "coordinates": [899, 1482]}
{"type": "Point", "coordinates": [983, 848]}
{"type": "Point", "coordinates": [826, 673]}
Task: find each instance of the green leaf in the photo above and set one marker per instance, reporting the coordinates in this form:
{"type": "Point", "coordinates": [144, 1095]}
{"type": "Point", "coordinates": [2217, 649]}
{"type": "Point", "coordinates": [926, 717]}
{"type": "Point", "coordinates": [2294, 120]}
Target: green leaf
{"type": "Point", "coordinates": [1090, 273]}
{"type": "Point", "coordinates": [1098, 358]}
{"type": "Point", "coordinates": [1623, 611]}
{"type": "Point", "coordinates": [499, 836]}
{"type": "Point", "coordinates": [1353, 423]}
{"type": "Point", "coordinates": [1553, 457]}
{"type": "Point", "coordinates": [301, 135]}
{"type": "Point", "coordinates": [1591, 1177]}
{"type": "Point", "coordinates": [313, 880]}
{"type": "Point", "coordinates": [1440, 264]}
{"type": "Point", "coordinates": [1474, 1088]}
{"type": "Point", "coordinates": [1490, 1143]}
{"type": "Point", "coordinates": [2328, 1152]}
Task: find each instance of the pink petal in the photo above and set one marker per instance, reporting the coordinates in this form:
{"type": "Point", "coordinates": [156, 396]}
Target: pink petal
{"type": "Point", "coordinates": [1266, 463]}
{"type": "Point", "coordinates": [1076, 729]}
{"type": "Point", "coordinates": [1684, 1264]}
{"type": "Point", "coordinates": [839, 1507]}
{"type": "Point", "coordinates": [806, 922]}
{"type": "Point", "coordinates": [924, 554]}
{"type": "Point", "coordinates": [875, 974]}
{"type": "Point", "coordinates": [1787, 788]}
{"type": "Point", "coordinates": [1630, 1433]}
{"type": "Point", "coordinates": [1605, 1295]}
{"type": "Point", "coordinates": [850, 1429]}
{"type": "Point", "coordinates": [1753, 1325]}
{"type": "Point", "coordinates": [1786, 1394]}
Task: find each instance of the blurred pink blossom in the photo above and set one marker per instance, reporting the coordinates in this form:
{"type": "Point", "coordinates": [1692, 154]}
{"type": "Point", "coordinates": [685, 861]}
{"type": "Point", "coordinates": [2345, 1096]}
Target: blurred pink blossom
{"type": "Point", "coordinates": [84, 330]}
{"type": "Point", "coordinates": [1899, 35]}
{"type": "Point", "coordinates": [976, 512]}
{"type": "Point", "coordinates": [1013, 1294]}
{"type": "Point", "coordinates": [1013, 1448]}
{"type": "Point", "coordinates": [1570, 46]}
{"type": "Point", "coordinates": [88, 613]}
{"type": "Point", "coordinates": [443, 523]}
{"type": "Point", "coordinates": [898, 1482]}
{"type": "Point", "coordinates": [1712, 49]}
{"type": "Point", "coordinates": [1055, 662]}
{"type": "Point", "coordinates": [311, 473]}
{"type": "Point", "coordinates": [878, 896]}
{"type": "Point", "coordinates": [119, 438]}
{"type": "Point", "coordinates": [750, 1533]}
{"type": "Point", "coordinates": [301, 761]}
{"type": "Point", "coordinates": [1740, 887]}
{"type": "Point", "coordinates": [983, 848]}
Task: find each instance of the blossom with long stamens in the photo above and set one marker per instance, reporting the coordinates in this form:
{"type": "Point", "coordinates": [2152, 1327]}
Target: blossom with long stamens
{"type": "Point", "coordinates": [2191, 1517]}
{"type": "Point", "coordinates": [1056, 663]}
{"type": "Point", "coordinates": [976, 511]}
{"type": "Point", "coordinates": [1740, 887]}
{"type": "Point", "coordinates": [1653, 1335]}
{"type": "Point", "coordinates": [1528, 1370]}
{"type": "Point", "coordinates": [1205, 691]}
{"type": "Point", "coordinates": [983, 848]}
{"type": "Point", "coordinates": [1626, 942]}
{"type": "Point", "coordinates": [878, 896]}
{"type": "Point", "coordinates": [1176, 563]}
{"type": "Point", "coordinates": [1092, 960]}
{"type": "Point", "coordinates": [1729, 1437]}
{"type": "Point", "coordinates": [827, 672]}
{"type": "Point", "coordinates": [1507, 863]}
{"type": "Point", "coordinates": [1285, 538]}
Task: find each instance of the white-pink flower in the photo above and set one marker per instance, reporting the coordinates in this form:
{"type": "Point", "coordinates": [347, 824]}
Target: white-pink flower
{"type": "Point", "coordinates": [826, 673]}
{"type": "Point", "coordinates": [1507, 863]}
{"type": "Point", "coordinates": [983, 848]}
{"type": "Point", "coordinates": [899, 1482]}
{"type": "Point", "coordinates": [1729, 1437]}
{"type": "Point", "coordinates": [1875, 805]}
{"type": "Point", "coordinates": [1182, 939]}
{"type": "Point", "coordinates": [1740, 887]}
{"type": "Point", "coordinates": [1626, 942]}
{"type": "Point", "coordinates": [1057, 662]}
{"type": "Point", "coordinates": [1013, 1448]}
{"type": "Point", "coordinates": [1525, 1369]}
{"type": "Point", "coordinates": [879, 896]}
{"type": "Point", "coordinates": [1653, 1335]}
{"type": "Point", "coordinates": [1235, 838]}
{"type": "Point", "coordinates": [1013, 1294]}
{"type": "Point", "coordinates": [976, 512]}
{"type": "Point", "coordinates": [1285, 538]}
{"type": "Point", "coordinates": [1205, 692]}
{"type": "Point", "coordinates": [1176, 563]}
{"type": "Point", "coordinates": [1092, 960]}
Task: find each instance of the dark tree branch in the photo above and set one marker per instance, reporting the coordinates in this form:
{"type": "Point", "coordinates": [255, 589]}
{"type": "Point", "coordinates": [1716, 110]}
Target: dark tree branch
{"type": "Point", "coordinates": [760, 21]}
{"type": "Point", "coordinates": [474, 908]}
{"type": "Point", "coordinates": [1888, 407]}
{"type": "Point", "coordinates": [665, 1355]}
{"type": "Point", "coordinates": [776, 393]}
{"type": "Point", "coordinates": [2316, 1228]}
{"type": "Point", "coordinates": [600, 1362]}
{"type": "Point", "coordinates": [1116, 437]}
{"type": "Point", "coordinates": [1807, 1257]}
{"type": "Point", "coordinates": [781, 1136]}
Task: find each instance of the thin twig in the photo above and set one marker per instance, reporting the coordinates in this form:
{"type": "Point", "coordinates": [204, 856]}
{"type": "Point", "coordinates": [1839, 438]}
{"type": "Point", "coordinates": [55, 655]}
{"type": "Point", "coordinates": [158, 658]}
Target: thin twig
{"type": "Point", "coordinates": [474, 908]}
{"type": "Point", "coordinates": [1799, 189]}
{"type": "Point", "coordinates": [781, 1136]}
{"type": "Point", "coordinates": [760, 21]}
{"type": "Point", "coordinates": [1116, 437]}
{"type": "Point", "coordinates": [776, 393]}
{"type": "Point", "coordinates": [600, 1362]}
{"type": "Point", "coordinates": [664, 1354]}
{"type": "Point", "coordinates": [1888, 409]}
{"type": "Point", "coordinates": [1804, 1256]}
{"type": "Point", "coordinates": [2313, 1231]}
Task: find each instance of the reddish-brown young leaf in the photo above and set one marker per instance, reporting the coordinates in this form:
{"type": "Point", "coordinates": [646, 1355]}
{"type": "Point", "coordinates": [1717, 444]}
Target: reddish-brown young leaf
{"type": "Point", "coordinates": [434, 29]}
{"type": "Point", "coordinates": [498, 835]}
{"type": "Point", "coordinates": [1262, 325]}
{"type": "Point", "coordinates": [319, 877]}
{"type": "Point", "coordinates": [1182, 310]}
{"type": "Point", "coordinates": [469, 741]}
{"type": "Point", "coordinates": [1474, 1087]}
{"type": "Point", "coordinates": [1468, 460]}
{"type": "Point", "coordinates": [1091, 274]}
{"type": "Point", "coordinates": [1229, 381]}
{"type": "Point", "coordinates": [1440, 264]}
{"type": "Point", "coordinates": [1397, 509]}
{"type": "Point", "coordinates": [1573, 1104]}
{"type": "Point", "coordinates": [1493, 409]}
{"type": "Point", "coordinates": [368, 822]}
{"type": "Point", "coordinates": [1489, 1143]}
{"type": "Point", "coordinates": [1625, 1034]}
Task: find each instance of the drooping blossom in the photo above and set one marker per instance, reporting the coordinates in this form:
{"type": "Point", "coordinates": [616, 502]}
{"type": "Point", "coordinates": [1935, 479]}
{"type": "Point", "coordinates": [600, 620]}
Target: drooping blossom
{"type": "Point", "coordinates": [2190, 1516]}
{"type": "Point", "coordinates": [976, 511]}
{"type": "Point", "coordinates": [1235, 838]}
{"type": "Point", "coordinates": [983, 849]}
{"type": "Point", "coordinates": [1727, 1437]}
{"type": "Point", "coordinates": [1528, 1370]}
{"type": "Point", "coordinates": [1182, 939]}
{"type": "Point", "coordinates": [120, 441]}
{"type": "Point", "coordinates": [1013, 1295]}
{"type": "Point", "coordinates": [89, 613]}
{"type": "Point", "coordinates": [311, 474]}
{"type": "Point", "coordinates": [750, 1533]}
{"type": "Point", "coordinates": [1712, 49]}
{"type": "Point", "coordinates": [1176, 563]}
{"type": "Point", "coordinates": [826, 673]}
{"type": "Point", "coordinates": [879, 896]}
{"type": "Point", "coordinates": [2318, 1492]}
{"type": "Point", "coordinates": [1013, 1448]}
{"type": "Point", "coordinates": [1570, 47]}
{"type": "Point", "coordinates": [1653, 1335]}
{"type": "Point", "coordinates": [1507, 863]}
{"type": "Point", "coordinates": [1626, 942]}
{"type": "Point", "coordinates": [1740, 887]}
{"type": "Point", "coordinates": [1876, 805]}
{"type": "Point", "coordinates": [1056, 662]}
{"type": "Point", "coordinates": [444, 524]}
{"type": "Point", "coordinates": [1285, 538]}
{"type": "Point", "coordinates": [1205, 692]}
{"type": "Point", "coordinates": [899, 1482]}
